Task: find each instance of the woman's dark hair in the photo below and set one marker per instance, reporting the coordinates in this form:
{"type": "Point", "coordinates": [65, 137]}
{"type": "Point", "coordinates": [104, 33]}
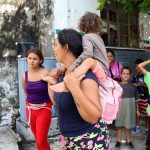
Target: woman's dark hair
{"type": "Point", "coordinates": [138, 61]}
{"type": "Point", "coordinates": [126, 68]}
{"type": "Point", "coordinates": [73, 39]}
{"type": "Point", "coordinates": [36, 52]}
{"type": "Point", "coordinates": [111, 51]}
{"type": "Point", "coordinates": [90, 23]}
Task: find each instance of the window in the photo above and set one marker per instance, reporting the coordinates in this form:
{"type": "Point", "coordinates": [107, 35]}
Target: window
{"type": "Point", "coordinates": [112, 16]}
{"type": "Point", "coordinates": [104, 14]}
{"type": "Point", "coordinates": [122, 29]}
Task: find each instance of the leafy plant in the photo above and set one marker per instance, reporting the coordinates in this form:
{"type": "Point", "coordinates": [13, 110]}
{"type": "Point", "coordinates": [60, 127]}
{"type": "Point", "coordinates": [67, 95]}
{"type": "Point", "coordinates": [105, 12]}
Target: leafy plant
{"type": "Point", "coordinates": [128, 5]}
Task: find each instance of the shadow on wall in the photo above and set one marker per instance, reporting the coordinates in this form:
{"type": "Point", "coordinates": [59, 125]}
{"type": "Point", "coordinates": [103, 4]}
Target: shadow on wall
{"type": "Point", "coordinates": [8, 93]}
{"type": "Point", "coordinates": [19, 26]}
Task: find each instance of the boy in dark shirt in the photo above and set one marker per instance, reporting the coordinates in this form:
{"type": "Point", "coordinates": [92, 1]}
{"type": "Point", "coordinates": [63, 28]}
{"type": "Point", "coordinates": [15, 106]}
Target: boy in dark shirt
{"type": "Point", "coordinates": [138, 80]}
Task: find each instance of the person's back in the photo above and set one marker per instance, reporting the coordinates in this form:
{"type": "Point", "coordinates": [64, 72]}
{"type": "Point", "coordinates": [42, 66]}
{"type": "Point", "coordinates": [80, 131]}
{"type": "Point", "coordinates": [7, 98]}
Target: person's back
{"type": "Point", "coordinates": [99, 50]}
{"type": "Point", "coordinates": [70, 122]}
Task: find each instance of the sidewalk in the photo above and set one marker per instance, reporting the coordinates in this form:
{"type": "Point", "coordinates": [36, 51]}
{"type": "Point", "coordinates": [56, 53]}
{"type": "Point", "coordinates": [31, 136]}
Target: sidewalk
{"type": "Point", "coordinates": [8, 141]}
{"type": "Point", "coordinates": [138, 140]}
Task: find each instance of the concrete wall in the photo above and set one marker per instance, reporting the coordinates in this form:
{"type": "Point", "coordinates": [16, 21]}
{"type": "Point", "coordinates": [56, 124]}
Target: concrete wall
{"type": "Point", "coordinates": [20, 20]}
{"type": "Point", "coordinates": [8, 93]}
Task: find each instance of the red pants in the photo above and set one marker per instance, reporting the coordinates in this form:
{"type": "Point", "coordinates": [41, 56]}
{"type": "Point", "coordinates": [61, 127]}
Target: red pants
{"type": "Point", "coordinates": [39, 123]}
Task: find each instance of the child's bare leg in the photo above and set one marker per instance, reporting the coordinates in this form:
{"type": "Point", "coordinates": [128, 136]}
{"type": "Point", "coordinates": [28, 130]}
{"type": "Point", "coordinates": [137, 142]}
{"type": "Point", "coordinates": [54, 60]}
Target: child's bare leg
{"type": "Point", "coordinates": [119, 134]}
{"type": "Point", "coordinates": [128, 135]}
{"type": "Point", "coordinates": [87, 64]}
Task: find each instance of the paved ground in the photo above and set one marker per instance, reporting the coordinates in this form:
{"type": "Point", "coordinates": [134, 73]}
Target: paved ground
{"type": "Point", "coordinates": [8, 141]}
{"type": "Point", "coordinates": [138, 141]}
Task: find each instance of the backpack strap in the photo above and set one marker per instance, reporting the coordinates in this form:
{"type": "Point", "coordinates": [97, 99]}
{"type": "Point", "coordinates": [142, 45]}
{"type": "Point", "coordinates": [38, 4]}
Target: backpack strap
{"type": "Point", "coordinates": [119, 69]}
{"type": "Point", "coordinates": [112, 76]}
{"type": "Point", "coordinates": [118, 65]}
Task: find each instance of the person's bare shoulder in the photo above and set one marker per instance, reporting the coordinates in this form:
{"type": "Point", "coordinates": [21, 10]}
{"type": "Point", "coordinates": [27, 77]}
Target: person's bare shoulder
{"type": "Point", "coordinates": [45, 71]}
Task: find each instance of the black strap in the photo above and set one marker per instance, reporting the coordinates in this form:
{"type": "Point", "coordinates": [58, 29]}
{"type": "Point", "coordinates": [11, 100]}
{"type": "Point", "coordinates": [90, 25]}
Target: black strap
{"type": "Point", "coordinates": [112, 76]}
{"type": "Point", "coordinates": [118, 67]}
{"type": "Point", "coordinates": [26, 76]}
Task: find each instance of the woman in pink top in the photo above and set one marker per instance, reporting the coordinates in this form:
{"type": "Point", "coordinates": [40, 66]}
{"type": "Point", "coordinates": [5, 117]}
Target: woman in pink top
{"type": "Point", "coordinates": [115, 67]}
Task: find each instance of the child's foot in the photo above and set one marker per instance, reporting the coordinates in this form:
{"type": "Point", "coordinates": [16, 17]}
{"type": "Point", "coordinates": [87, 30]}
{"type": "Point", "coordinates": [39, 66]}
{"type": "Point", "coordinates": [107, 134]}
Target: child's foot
{"type": "Point", "coordinates": [136, 129]}
{"type": "Point", "coordinates": [60, 87]}
{"type": "Point", "coordinates": [49, 79]}
{"type": "Point", "coordinates": [130, 145]}
{"type": "Point", "coordinates": [118, 144]}
{"type": "Point", "coordinates": [146, 133]}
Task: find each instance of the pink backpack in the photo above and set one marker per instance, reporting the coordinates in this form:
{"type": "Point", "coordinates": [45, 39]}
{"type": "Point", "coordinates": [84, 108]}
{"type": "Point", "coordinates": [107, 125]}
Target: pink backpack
{"type": "Point", "coordinates": [110, 95]}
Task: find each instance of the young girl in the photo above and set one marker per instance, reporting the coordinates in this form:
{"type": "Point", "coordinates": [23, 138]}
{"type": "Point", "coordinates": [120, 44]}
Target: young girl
{"type": "Point", "coordinates": [38, 103]}
{"type": "Point", "coordinates": [126, 115]}
{"type": "Point", "coordinates": [115, 66]}
{"type": "Point", "coordinates": [93, 47]}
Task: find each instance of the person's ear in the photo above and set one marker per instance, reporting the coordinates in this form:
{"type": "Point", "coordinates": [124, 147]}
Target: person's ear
{"type": "Point", "coordinates": [41, 61]}
{"type": "Point", "coordinates": [66, 47]}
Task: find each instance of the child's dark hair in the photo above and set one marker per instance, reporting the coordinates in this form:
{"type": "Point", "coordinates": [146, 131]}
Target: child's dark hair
{"type": "Point", "coordinates": [36, 52]}
{"type": "Point", "coordinates": [126, 68]}
{"type": "Point", "coordinates": [111, 51]}
{"type": "Point", "coordinates": [73, 39]}
{"type": "Point", "coordinates": [138, 61]}
{"type": "Point", "coordinates": [90, 23]}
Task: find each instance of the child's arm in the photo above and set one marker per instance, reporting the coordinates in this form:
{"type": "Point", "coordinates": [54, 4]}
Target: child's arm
{"type": "Point", "coordinates": [137, 98]}
{"type": "Point", "coordinates": [142, 66]}
{"type": "Point", "coordinates": [137, 110]}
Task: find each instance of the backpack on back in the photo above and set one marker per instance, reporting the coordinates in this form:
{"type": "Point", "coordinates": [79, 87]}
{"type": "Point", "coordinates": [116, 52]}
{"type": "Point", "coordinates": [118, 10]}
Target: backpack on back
{"type": "Point", "coordinates": [110, 95]}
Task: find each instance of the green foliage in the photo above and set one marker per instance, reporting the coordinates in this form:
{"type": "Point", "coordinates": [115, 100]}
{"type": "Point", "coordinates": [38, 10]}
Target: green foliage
{"type": "Point", "coordinates": [145, 6]}
{"type": "Point", "coordinates": [101, 4]}
{"type": "Point", "coordinates": [128, 5]}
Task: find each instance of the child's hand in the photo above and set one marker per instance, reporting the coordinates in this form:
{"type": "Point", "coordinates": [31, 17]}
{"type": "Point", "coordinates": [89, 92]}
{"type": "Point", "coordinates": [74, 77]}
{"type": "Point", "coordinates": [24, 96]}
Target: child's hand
{"type": "Point", "coordinates": [56, 72]}
{"type": "Point", "coordinates": [139, 84]}
{"type": "Point", "coordinates": [49, 79]}
{"type": "Point", "coordinates": [137, 113]}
